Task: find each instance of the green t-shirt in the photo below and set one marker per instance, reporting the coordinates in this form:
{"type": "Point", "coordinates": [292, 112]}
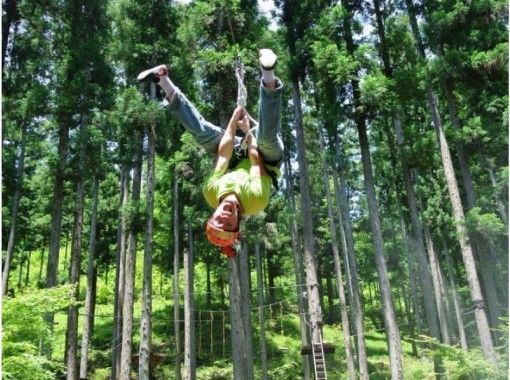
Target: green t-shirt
{"type": "Point", "coordinates": [253, 191]}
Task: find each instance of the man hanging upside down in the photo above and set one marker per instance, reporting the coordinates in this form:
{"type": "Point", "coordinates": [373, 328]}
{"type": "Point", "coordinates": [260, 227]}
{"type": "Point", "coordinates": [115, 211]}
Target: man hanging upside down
{"type": "Point", "coordinates": [239, 185]}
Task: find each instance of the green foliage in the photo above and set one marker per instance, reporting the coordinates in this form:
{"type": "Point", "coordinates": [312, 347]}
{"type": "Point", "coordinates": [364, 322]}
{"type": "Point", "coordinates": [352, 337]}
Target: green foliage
{"type": "Point", "coordinates": [219, 370]}
{"type": "Point", "coordinates": [376, 92]}
{"type": "Point", "coordinates": [489, 225]}
{"type": "Point", "coordinates": [461, 364]}
{"type": "Point", "coordinates": [25, 331]}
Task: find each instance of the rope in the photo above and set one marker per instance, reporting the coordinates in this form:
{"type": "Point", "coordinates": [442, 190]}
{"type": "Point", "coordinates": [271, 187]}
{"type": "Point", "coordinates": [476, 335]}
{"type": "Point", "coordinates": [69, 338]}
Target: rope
{"type": "Point", "coordinates": [242, 94]}
{"type": "Point", "coordinates": [200, 311]}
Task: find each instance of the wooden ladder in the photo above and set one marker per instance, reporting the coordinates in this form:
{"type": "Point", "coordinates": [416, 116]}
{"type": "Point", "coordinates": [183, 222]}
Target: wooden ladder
{"type": "Point", "coordinates": [319, 362]}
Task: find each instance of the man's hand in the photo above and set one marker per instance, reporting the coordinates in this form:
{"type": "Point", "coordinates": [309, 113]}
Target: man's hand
{"type": "Point", "coordinates": [244, 125]}
{"type": "Point", "coordinates": [237, 115]}
{"type": "Point", "coordinates": [226, 145]}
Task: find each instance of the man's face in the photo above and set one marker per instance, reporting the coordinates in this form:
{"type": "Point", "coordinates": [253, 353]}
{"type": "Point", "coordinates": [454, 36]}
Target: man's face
{"type": "Point", "coordinates": [226, 216]}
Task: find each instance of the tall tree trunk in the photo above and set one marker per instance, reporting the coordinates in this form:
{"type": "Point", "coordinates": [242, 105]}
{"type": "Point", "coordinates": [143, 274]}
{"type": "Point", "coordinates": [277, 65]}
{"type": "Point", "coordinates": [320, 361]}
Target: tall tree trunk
{"type": "Point", "coordinates": [482, 250]}
{"type": "Point", "coordinates": [240, 352]}
{"type": "Point", "coordinates": [41, 265]}
{"type": "Point", "coordinates": [244, 271]}
{"type": "Point", "coordinates": [342, 198]}
{"type": "Point", "coordinates": [467, 252]}
{"type": "Point", "coordinates": [455, 296]}
{"type": "Point", "coordinates": [27, 274]}
{"type": "Point", "coordinates": [298, 262]}
{"type": "Point", "coordinates": [144, 364]}
{"type": "Point", "coordinates": [446, 297]}
{"type": "Point", "coordinates": [467, 179]}
{"type": "Point", "coordinates": [262, 318]}
{"type": "Point", "coordinates": [56, 216]}
{"type": "Point", "coordinates": [177, 327]}
{"type": "Point", "coordinates": [120, 270]}
{"type": "Point", "coordinates": [208, 295]}
{"type": "Point", "coordinates": [424, 271]}
{"type": "Point", "coordinates": [74, 271]}
{"type": "Point", "coordinates": [458, 212]}
{"type": "Point", "coordinates": [423, 268]}
{"type": "Point", "coordinates": [392, 332]}
{"type": "Point", "coordinates": [434, 265]}
{"type": "Point", "coordinates": [20, 271]}
{"type": "Point", "coordinates": [270, 273]}
{"type": "Point", "coordinates": [20, 167]}
{"type": "Point", "coordinates": [390, 322]}
{"type": "Point", "coordinates": [11, 16]}
{"type": "Point", "coordinates": [190, 356]}
{"type": "Point", "coordinates": [312, 285]}
{"type": "Point", "coordinates": [87, 326]}
{"type": "Point", "coordinates": [403, 225]}
{"type": "Point", "coordinates": [351, 371]}
{"type": "Point", "coordinates": [130, 264]}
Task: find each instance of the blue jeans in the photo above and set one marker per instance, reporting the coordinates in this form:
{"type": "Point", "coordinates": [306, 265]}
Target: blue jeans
{"type": "Point", "coordinates": [209, 135]}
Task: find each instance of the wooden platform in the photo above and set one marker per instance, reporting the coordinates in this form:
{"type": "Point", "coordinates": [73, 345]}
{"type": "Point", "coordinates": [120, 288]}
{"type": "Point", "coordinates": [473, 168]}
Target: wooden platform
{"type": "Point", "coordinates": [329, 348]}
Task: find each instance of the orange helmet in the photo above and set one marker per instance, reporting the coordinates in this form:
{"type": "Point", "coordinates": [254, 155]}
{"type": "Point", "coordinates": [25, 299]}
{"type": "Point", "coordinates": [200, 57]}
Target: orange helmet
{"type": "Point", "coordinates": [219, 237]}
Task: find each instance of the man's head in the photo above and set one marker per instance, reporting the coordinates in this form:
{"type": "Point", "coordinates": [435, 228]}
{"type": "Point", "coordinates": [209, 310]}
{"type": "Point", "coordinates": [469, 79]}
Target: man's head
{"type": "Point", "coordinates": [223, 226]}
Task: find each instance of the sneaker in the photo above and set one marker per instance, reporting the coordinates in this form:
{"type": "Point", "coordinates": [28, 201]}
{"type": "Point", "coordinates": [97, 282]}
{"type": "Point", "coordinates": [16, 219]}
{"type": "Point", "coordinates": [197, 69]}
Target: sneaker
{"type": "Point", "coordinates": [267, 59]}
{"type": "Point", "coordinates": [152, 74]}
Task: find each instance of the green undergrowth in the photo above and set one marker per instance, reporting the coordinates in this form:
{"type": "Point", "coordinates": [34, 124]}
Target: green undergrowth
{"type": "Point", "coordinates": [213, 347]}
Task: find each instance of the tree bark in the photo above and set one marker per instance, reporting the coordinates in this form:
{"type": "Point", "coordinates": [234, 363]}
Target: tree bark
{"type": "Point", "coordinates": [244, 272]}
{"type": "Point", "coordinates": [419, 251]}
{"type": "Point", "coordinates": [20, 167]}
{"type": "Point", "coordinates": [11, 16]}
{"type": "Point", "coordinates": [455, 296]}
{"type": "Point", "coordinates": [351, 371]}
{"type": "Point", "coordinates": [177, 327]}
{"type": "Point", "coordinates": [466, 176]}
{"type": "Point", "coordinates": [20, 271]}
{"type": "Point", "coordinates": [41, 265]}
{"type": "Point", "coordinates": [467, 252]}
{"type": "Point", "coordinates": [341, 193]}
{"type": "Point", "coordinates": [208, 295]}
{"type": "Point", "coordinates": [56, 217]}
{"type": "Point", "coordinates": [130, 264]}
{"type": "Point", "coordinates": [189, 312]}
{"type": "Point", "coordinates": [408, 246]}
{"type": "Point", "coordinates": [240, 359]}
{"type": "Point", "coordinates": [262, 318]}
{"type": "Point", "coordinates": [74, 272]}
{"type": "Point", "coordinates": [481, 250]}
{"type": "Point", "coordinates": [440, 302]}
{"type": "Point", "coordinates": [118, 302]}
{"type": "Point", "coordinates": [390, 322]}
{"type": "Point", "coordinates": [89, 299]}
{"type": "Point", "coordinates": [298, 262]}
{"type": "Point", "coordinates": [458, 212]}
{"type": "Point", "coordinates": [392, 332]}
{"type": "Point", "coordinates": [310, 267]}
{"type": "Point", "coordinates": [424, 271]}
{"type": "Point", "coordinates": [27, 274]}
{"type": "Point", "coordinates": [144, 364]}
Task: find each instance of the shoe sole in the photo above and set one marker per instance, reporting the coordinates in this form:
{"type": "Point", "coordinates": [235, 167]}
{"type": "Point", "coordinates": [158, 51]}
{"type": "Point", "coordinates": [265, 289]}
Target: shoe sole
{"type": "Point", "coordinates": [270, 58]}
{"type": "Point", "coordinates": [151, 75]}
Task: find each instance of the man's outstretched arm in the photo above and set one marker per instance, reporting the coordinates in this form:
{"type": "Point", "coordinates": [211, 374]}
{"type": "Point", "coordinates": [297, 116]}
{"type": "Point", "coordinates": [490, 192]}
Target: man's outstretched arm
{"type": "Point", "coordinates": [226, 145]}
